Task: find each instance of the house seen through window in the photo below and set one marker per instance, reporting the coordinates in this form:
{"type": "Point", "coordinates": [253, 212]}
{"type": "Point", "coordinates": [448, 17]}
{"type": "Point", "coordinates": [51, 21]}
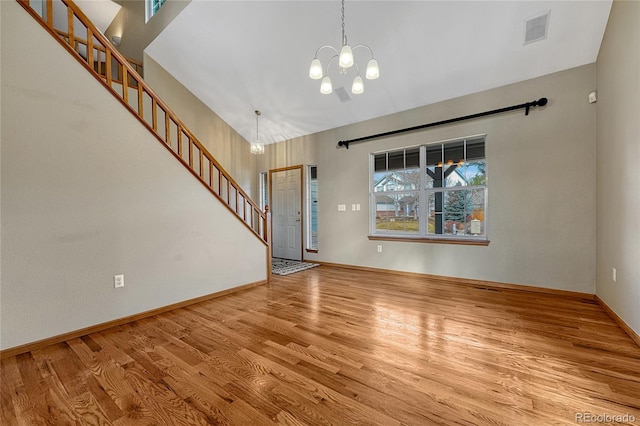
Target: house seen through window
{"type": "Point", "coordinates": [431, 191]}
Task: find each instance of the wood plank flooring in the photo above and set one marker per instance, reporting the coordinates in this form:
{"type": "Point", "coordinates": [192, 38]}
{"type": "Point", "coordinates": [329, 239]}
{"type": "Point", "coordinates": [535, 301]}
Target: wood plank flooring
{"type": "Point", "coordinates": [331, 346]}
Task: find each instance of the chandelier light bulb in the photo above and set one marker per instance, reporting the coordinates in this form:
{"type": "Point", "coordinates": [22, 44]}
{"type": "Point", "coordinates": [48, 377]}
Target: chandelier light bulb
{"type": "Point", "coordinates": [315, 71]}
{"type": "Point", "coordinates": [358, 86]}
{"type": "Point", "coordinates": [373, 71]}
{"type": "Point", "coordinates": [346, 57]}
{"type": "Point", "coordinates": [257, 148]}
{"type": "Point", "coordinates": [325, 86]}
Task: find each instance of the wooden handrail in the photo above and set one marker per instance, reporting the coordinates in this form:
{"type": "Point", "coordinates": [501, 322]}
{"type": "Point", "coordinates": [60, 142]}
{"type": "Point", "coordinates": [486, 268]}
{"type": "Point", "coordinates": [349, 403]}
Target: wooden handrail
{"type": "Point", "coordinates": [196, 157]}
{"type": "Point", "coordinates": [90, 46]}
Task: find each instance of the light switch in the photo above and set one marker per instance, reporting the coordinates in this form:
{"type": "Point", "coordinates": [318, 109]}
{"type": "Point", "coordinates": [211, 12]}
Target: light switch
{"type": "Point", "coordinates": [342, 207]}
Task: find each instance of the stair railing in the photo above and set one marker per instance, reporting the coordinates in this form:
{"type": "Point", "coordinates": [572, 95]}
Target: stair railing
{"type": "Point", "coordinates": [124, 82]}
{"type": "Point", "coordinates": [99, 58]}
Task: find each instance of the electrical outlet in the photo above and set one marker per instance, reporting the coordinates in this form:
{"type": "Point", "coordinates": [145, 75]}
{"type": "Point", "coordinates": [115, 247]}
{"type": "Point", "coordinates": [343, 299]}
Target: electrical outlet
{"type": "Point", "coordinates": [614, 274]}
{"type": "Point", "coordinates": [379, 248]}
{"type": "Point", "coordinates": [118, 281]}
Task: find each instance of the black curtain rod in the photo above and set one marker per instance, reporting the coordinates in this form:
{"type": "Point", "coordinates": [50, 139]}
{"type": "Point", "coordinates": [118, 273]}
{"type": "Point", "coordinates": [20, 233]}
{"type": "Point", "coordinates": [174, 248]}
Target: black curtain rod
{"type": "Point", "coordinates": [526, 106]}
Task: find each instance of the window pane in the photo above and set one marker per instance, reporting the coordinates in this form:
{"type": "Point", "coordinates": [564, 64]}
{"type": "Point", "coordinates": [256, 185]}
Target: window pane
{"type": "Point", "coordinates": [392, 181]}
{"type": "Point", "coordinates": [380, 162]}
{"type": "Point", "coordinates": [380, 172]}
{"type": "Point", "coordinates": [401, 172]}
{"type": "Point", "coordinates": [475, 149]}
{"type": "Point", "coordinates": [379, 180]}
{"type": "Point", "coordinates": [396, 160]}
{"type": "Point", "coordinates": [474, 224]}
{"type": "Point", "coordinates": [313, 208]}
{"type": "Point", "coordinates": [455, 191]}
{"type": "Point", "coordinates": [434, 154]}
{"type": "Point", "coordinates": [412, 157]}
{"type": "Point", "coordinates": [384, 208]}
{"type": "Point", "coordinates": [264, 190]}
{"type": "Point", "coordinates": [453, 152]}
{"type": "Point", "coordinates": [464, 212]}
{"type": "Point", "coordinates": [455, 207]}
{"type": "Point", "coordinates": [434, 217]}
{"type": "Point", "coordinates": [472, 173]}
{"type": "Point", "coordinates": [412, 169]}
{"type": "Point", "coordinates": [453, 176]}
{"type": "Point", "coordinates": [434, 177]}
{"type": "Point", "coordinates": [397, 213]}
{"type": "Point", "coordinates": [156, 5]}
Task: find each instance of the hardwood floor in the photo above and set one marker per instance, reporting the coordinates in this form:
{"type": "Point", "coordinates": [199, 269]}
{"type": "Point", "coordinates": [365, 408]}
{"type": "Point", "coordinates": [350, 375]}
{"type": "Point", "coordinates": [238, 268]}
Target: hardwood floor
{"type": "Point", "coordinates": [331, 346]}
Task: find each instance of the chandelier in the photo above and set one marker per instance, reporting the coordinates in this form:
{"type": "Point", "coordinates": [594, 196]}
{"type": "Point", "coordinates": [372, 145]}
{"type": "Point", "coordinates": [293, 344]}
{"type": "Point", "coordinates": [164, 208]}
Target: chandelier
{"type": "Point", "coordinates": [257, 147]}
{"type": "Point", "coordinates": [345, 61]}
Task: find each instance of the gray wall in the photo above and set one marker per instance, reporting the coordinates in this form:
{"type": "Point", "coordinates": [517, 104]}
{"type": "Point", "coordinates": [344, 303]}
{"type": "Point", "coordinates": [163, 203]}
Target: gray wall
{"type": "Point", "coordinates": [230, 149]}
{"type": "Point", "coordinates": [88, 193]}
{"type": "Point", "coordinates": [618, 152]}
{"type": "Point", "coordinates": [541, 217]}
{"type": "Point", "coordinates": [130, 24]}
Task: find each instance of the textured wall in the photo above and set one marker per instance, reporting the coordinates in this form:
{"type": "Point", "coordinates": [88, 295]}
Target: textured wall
{"type": "Point", "coordinates": [230, 149]}
{"type": "Point", "coordinates": [130, 24]}
{"type": "Point", "coordinates": [88, 193]}
{"type": "Point", "coordinates": [541, 217]}
{"type": "Point", "coordinates": [618, 151]}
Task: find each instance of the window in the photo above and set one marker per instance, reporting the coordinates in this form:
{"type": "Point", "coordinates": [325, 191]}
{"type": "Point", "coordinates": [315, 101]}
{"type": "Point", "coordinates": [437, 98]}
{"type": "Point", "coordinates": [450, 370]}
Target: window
{"type": "Point", "coordinates": [264, 190]}
{"type": "Point", "coordinates": [312, 208]}
{"type": "Point", "coordinates": [152, 7]}
{"type": "Point", "coordinates": [435, 191]}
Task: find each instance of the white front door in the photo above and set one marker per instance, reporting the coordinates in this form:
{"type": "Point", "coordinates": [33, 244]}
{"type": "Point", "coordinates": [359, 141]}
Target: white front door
{"type": "Point", "coordinates": [286, 213]}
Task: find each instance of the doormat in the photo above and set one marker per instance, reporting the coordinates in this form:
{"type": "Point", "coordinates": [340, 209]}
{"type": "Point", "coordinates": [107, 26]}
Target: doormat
{"type": "Point", "coordinates": [286, 266]}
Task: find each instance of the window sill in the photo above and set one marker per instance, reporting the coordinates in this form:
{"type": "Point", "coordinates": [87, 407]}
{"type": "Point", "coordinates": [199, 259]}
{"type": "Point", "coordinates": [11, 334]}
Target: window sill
{"type": "Point", "coordinates": [459, 241]}
{"type": "Point", "coordinates": [312, 250]}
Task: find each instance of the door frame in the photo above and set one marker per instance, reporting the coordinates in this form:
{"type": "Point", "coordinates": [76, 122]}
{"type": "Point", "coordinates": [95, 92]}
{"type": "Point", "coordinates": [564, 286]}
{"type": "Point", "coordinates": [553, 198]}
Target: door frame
{"type": "Point", "coordinates": [302, 212]}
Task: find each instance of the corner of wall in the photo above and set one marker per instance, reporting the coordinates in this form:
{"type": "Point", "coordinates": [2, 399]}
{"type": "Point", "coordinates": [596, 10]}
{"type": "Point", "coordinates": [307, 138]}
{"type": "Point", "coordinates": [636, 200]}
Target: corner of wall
{"type": "Point", "coordinates": [617, 152]}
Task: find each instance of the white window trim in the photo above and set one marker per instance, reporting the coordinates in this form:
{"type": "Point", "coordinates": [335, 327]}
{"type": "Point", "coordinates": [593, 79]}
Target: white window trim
{"type": "Point", "coordinates": [422, 235]}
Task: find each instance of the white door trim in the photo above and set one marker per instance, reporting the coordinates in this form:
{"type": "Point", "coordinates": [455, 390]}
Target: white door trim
{"type": "Point", "coordinates": [300, 206]}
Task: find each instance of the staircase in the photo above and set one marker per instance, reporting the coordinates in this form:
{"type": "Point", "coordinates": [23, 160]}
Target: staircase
{"type": "Point", "coordinates": [120, 76]}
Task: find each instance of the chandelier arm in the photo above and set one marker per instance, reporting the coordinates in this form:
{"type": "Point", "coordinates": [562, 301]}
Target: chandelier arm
{"type": "Point", "coordinates": [322, 47]}
{"type": "Point", "coordinates": [364, 45]}
{"type": "Point", "coordinates": [333, 58]}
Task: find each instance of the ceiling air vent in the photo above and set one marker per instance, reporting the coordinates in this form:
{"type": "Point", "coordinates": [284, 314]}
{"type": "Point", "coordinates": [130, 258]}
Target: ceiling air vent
{"type": "Point", "coordinates": [342, 95]}
{"type": "Point", "coordinates": [536, 27]}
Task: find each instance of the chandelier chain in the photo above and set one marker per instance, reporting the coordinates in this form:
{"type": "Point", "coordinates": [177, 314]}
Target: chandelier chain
{"type": "Point", "coordinates": [344, 36]}
{"type": "Point", "coordinates": [257, 134]}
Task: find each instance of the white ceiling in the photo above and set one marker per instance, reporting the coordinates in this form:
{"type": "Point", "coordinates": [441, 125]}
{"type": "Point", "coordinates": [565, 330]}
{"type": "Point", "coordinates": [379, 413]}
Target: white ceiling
{"type": "Point", "coordinates": [100, 12]}
{"type": "Point", "coordinates": [239, 56]}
